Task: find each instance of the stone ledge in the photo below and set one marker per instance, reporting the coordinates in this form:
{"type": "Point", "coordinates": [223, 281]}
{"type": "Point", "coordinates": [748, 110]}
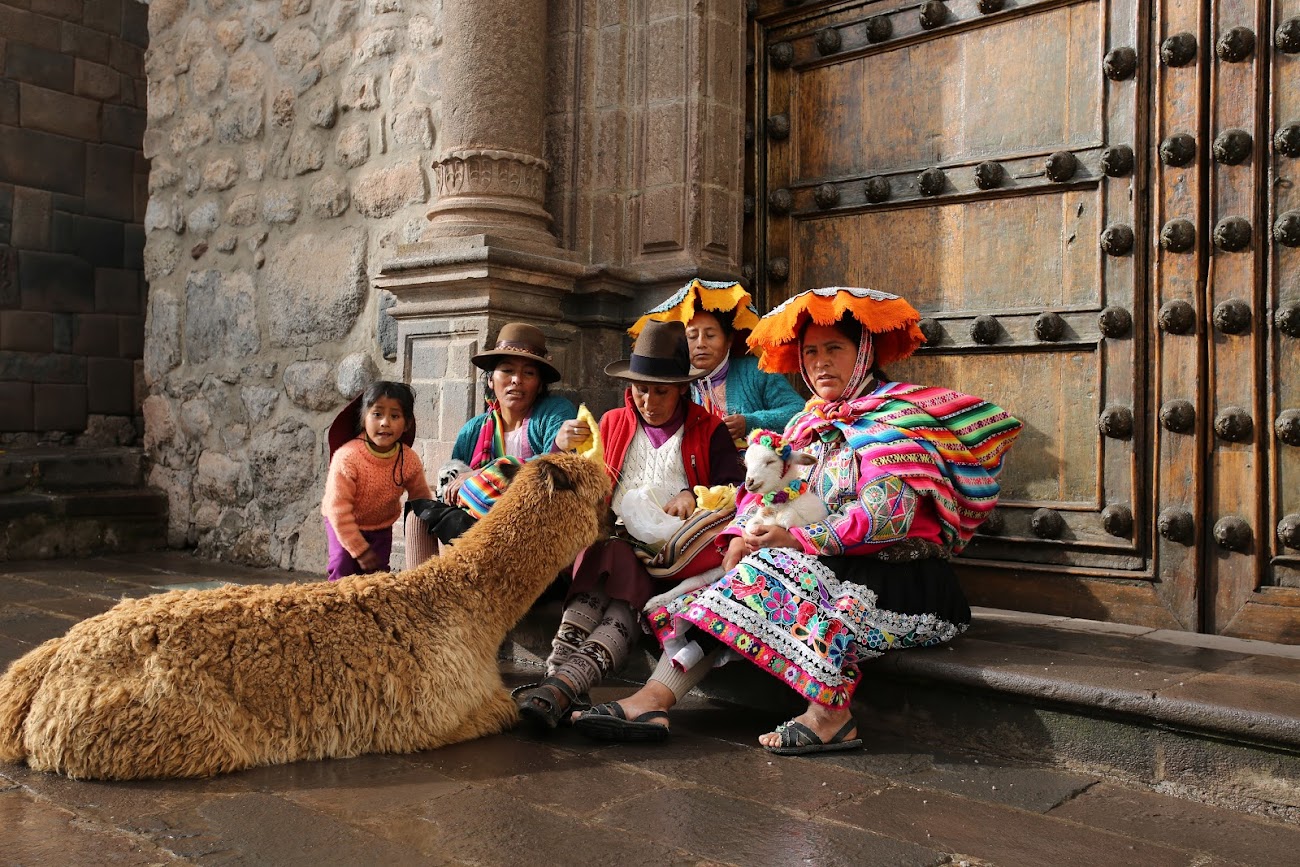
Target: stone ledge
{"type": "Point", "coordinates": [1205, 684]}
{"type": "Point", "coordinates": [126, 503]}
{"type": "Point", "coordinates": [71, 469]}
{"type": "Point", "coordinates": [1208, 687]}
{"type": "Point", "coordinates": [1205, 717]}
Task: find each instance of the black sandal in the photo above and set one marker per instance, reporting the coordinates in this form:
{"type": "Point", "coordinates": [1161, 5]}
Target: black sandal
{"type": "Point", "coordinates": [609, 722]}
{"type": "Point", "coordinates": [545, 705]}
{"type": "Point", "coordinates": [799, 740]}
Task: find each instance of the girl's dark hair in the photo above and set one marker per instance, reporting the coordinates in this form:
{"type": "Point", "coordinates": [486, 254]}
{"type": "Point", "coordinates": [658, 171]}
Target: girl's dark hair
{"type": "Point", "coordinates": [726, 319]}
{"type": "Point", "coordinates": [405, 397]}
{"type": "Point", "coordinates": [381, 388]}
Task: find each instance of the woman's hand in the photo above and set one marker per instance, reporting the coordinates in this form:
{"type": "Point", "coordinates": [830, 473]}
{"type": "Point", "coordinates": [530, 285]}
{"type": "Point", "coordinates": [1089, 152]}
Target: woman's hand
{"type": "Point", "coordinates": [735, 426]}
{"type": "Point", "coordinates": [736, 552]}
{"type": "Point", "coordinates": [453, 489]}
{"type": "Point", "coordinates": [369, 560]}
{"type": "Point", "coordinates": [681, 505]}
{"type": "Point", "coordinates": [768, 536]}
{"type": "Point", "coordinates": [571, 433]}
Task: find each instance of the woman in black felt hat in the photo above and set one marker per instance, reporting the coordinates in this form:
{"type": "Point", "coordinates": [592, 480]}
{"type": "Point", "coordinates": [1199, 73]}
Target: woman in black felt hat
{"type": "Point", "coordinates": [659, 439]}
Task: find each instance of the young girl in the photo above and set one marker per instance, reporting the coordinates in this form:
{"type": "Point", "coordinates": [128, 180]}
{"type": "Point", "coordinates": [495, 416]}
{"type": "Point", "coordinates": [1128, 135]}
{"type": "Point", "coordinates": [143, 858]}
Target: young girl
{"type": "Point", "coordinates": [371, 463]}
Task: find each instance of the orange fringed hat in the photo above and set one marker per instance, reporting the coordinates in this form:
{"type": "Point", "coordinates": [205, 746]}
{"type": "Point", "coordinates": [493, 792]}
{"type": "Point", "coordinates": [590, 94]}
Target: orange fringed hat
{"type": "Point", "coordinates": [704, 295]}
{"type": "Point", "coordinates": [891, 321]}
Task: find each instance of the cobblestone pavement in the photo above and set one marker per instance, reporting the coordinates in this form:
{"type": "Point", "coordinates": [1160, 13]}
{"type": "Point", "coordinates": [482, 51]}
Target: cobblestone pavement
{"type": "Point", "coordinates": [709, 796]}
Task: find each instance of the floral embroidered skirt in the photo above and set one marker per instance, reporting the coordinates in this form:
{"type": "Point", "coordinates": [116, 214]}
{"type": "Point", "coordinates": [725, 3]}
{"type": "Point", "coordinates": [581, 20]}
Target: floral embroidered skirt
{"type": "Point", "coordinates": [810, 621]}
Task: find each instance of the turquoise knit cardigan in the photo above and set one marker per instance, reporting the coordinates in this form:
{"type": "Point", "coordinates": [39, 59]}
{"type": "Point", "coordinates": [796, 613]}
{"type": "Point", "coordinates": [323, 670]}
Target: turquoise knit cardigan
{"type": "Point", "coordinates": [766, 400]}
{"type": "Point", "coordinates": [548, 414]}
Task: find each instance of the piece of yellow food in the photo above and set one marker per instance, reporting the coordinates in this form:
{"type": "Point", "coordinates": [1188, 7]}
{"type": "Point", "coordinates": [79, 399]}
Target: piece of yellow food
{"type": "Point", "coordinates": [591, 447]}
{"type": "Point", "coordinates": [714, 498]}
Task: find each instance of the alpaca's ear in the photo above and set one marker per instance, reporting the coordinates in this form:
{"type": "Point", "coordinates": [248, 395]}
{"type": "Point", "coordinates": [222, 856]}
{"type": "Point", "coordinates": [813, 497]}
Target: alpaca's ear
{"type": "Point", "coordinates": [509, 470]}
{"type": "Point", "coordinates": [556, 478]}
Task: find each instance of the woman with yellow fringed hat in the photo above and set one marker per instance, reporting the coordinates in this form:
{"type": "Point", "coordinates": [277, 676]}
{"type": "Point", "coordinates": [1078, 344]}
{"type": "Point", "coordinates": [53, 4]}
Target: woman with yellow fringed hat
{"type": "Point", "coordinates": [907, 473]}
{"type": "Point", "coordinates": [719, 317]}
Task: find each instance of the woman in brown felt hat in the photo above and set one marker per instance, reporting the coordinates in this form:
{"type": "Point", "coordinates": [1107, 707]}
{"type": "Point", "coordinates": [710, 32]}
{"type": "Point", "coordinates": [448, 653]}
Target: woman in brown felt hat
{"type": "Point", "coordinates": [658, 439]}
{"type": "Point", "coordinates": [522, 421]}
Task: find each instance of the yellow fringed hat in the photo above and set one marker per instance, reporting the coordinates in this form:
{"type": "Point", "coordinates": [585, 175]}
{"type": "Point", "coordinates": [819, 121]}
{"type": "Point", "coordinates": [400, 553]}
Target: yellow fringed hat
{"type": "Point", "coordinates": [891, 321]}
{"type": "Point", "coordinates": [709, 296]}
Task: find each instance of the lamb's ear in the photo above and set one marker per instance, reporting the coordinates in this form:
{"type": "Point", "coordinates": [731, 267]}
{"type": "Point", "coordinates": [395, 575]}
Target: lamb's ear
{"type": "Point", "coordinates": [556, 478]}
{"type": "Point", "coordinates": [802, 459]}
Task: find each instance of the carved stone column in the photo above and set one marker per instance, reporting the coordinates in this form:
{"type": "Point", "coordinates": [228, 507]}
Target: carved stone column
{"type": "Point", "coordinates": [488, 255]}
{"type": "Point", "coordinates": [491, 178]}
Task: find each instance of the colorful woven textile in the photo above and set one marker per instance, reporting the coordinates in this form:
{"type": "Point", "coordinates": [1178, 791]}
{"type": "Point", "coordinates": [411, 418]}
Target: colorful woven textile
{"type": "Point", "coordinates": [491, 441]}
{"type": "Point", "coordinates": [787, 613]}
{"type": "Point", "coordinates": [480, 491]}
{"type": "Point", "coordinates": [692, 549]}
{"type": "Point", "coordinates": [946, 445]}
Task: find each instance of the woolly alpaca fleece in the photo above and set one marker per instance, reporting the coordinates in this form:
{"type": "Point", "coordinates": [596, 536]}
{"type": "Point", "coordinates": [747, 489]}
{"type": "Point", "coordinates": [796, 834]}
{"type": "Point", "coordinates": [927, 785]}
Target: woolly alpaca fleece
{"type": "Point", "coordinates": [199, 682]}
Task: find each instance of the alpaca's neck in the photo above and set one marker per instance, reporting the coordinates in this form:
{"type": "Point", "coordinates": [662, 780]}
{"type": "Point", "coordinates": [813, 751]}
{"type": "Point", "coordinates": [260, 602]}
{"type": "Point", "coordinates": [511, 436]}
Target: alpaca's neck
{"type": "Point", "coordinates": [504, 577]}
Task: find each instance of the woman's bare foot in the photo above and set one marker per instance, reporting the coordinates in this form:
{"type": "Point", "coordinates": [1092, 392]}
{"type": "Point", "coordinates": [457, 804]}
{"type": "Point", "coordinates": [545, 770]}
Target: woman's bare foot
{"type": "Point", "coordinates": [654, 696]}
{"type": "Point", "coordinates": [824, 722]}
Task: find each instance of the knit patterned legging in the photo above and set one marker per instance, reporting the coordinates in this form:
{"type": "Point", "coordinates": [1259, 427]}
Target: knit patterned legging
{"type": "Point", "coordinates": [593, 640]}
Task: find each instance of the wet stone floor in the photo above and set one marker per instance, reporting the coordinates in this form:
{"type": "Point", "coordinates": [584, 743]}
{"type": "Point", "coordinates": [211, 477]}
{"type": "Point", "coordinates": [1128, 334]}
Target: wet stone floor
{"type": "Point", "coordinates": [709, 796]}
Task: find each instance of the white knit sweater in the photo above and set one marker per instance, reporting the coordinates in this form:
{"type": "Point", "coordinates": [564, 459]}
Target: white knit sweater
{"type": "Point", "coordinates": [645, 466]}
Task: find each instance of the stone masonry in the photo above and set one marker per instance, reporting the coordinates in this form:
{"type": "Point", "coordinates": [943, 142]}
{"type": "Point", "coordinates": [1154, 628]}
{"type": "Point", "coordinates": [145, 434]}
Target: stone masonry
{"type": "Point", "coordinates": [72, 201]}
{"type": "Point", "coordinates": [308, 156]}
{"type": "Point", "coordinates": [289, 143]}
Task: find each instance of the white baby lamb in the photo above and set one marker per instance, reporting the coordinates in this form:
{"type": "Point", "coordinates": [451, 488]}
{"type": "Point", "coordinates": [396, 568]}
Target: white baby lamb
{"type": "Point", "coordinates": [773, 471]}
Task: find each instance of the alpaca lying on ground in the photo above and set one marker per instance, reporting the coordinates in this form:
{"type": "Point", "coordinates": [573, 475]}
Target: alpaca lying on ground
{"type": "Point", "coordinates": [774, 473]}
{"type": "Point", "coordinates": [199, 682]}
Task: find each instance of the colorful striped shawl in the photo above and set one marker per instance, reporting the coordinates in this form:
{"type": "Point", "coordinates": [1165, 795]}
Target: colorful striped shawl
{"type": "Point", "coordinates": [946, 445]}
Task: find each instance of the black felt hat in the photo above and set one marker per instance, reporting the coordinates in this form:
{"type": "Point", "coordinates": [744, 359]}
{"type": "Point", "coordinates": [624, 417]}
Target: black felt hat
{"type": "Point", "coordinates": [659, 355]}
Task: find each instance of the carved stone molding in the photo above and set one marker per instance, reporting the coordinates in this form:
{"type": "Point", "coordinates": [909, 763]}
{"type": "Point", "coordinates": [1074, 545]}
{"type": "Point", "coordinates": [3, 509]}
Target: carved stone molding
{"type": "Point", "coordinates": [489, 172]}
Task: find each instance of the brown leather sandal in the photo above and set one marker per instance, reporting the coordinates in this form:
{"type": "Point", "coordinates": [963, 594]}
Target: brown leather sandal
{"type": "Point", "coordinates": [545, 705]}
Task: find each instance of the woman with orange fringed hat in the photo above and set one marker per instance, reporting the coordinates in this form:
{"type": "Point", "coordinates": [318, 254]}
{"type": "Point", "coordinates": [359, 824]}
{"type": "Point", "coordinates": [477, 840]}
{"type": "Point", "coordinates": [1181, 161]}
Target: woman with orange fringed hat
{"type": "Point", "coordinates": [907, 473]}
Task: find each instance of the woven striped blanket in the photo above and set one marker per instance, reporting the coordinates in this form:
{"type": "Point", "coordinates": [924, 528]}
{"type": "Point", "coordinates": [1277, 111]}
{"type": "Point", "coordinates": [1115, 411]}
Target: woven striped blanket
{"type": "Point", "coordinates": [946, 445]}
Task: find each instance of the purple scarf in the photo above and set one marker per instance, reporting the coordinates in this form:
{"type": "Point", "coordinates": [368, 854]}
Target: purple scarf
{"type": "Point", "coordinates": [662, 433]}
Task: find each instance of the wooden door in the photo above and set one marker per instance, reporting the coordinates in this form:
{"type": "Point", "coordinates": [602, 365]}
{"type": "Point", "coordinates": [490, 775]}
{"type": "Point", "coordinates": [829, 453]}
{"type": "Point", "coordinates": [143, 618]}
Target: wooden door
{"type": "Point", "coordinates": [1037, 178]}
{"type": "Point", "coordinates": [1252, 286]}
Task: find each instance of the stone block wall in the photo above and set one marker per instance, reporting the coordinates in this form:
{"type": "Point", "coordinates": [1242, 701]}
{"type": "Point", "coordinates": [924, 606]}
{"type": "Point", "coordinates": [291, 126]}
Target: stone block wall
{"type": "Point", "coordinates": [644, 122]}
{"type": "Point", "coordinates": [290, 143]}
{"type": "Point", "coordinates": [72, 201]}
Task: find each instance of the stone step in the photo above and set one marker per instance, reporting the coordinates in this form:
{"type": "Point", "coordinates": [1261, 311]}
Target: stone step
{"type": "Point", "coordinates": [39, 525]}
{"type": "Point", "coordinates": [70, 469]}
{"type": "Point", "coordinates": [1209, 718]}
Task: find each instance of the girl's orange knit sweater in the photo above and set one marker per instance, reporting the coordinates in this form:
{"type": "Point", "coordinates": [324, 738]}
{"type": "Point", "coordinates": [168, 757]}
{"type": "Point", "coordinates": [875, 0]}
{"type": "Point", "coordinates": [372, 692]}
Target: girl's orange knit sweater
{"type": "Point", "coordinates": [360, 493]}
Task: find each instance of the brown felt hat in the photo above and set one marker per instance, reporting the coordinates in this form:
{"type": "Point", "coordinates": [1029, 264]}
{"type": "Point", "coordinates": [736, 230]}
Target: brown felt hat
{"type": "Point", "coordinates": [519, 340]}
{"type": "Point", "coordinates": [659, 355]}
